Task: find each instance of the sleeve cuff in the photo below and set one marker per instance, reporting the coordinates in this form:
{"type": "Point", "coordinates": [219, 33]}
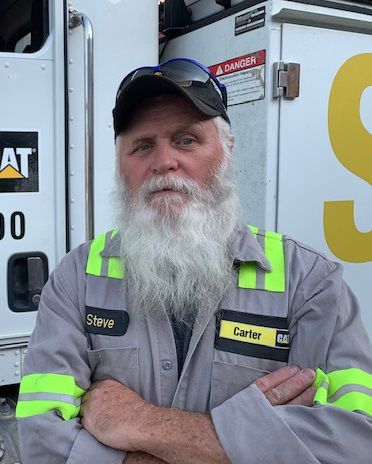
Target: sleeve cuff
{"type": "Point", "coordinates": [250, 430]}
{"type": "Point", "coordinates": [87, 449]}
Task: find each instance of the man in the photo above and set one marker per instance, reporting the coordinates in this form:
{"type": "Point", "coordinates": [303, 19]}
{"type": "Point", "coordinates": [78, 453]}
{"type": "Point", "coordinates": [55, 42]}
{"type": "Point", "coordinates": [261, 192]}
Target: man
{"type": "Point", "coordinates": [188, 336]}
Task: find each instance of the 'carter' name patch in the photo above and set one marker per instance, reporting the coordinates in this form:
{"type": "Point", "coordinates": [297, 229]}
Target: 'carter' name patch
{"type": "Point", "coordinates": [253, 335]}
{"type": "Point", "coordinates": [106, 321]}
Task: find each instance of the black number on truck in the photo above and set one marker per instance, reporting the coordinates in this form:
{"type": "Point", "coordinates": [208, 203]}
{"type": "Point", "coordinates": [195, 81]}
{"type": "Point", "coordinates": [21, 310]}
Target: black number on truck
{"type": "Point", "coordinates": [17, 225]}
{"type": "Point", "coordinates": [2, 226]}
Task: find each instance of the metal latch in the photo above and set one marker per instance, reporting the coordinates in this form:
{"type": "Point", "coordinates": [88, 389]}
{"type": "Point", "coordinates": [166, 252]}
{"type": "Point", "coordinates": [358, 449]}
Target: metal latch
{"type": "Point", "coordinates": [286, 79]}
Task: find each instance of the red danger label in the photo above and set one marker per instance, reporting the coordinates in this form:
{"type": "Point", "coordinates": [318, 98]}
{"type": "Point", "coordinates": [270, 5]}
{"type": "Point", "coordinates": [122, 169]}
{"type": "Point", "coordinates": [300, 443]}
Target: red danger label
{"type": "Point", "coordinates": [239, 64]}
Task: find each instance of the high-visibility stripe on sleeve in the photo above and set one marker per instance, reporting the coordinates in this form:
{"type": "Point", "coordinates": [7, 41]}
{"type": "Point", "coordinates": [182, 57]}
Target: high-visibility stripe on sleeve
{"type": "Point", "coordinates": [349, 389]}
{"type": "Point", "coordinates": [42, 393]}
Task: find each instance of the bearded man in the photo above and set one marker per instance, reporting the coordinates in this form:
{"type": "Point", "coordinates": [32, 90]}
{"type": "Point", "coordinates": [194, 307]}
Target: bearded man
{"type": "Point", "coordinates": [188, 336]}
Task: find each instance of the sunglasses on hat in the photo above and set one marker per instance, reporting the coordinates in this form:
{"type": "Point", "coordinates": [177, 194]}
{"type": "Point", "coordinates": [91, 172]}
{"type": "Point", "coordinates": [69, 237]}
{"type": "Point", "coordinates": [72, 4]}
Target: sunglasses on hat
{"type": "Point", "coordinates": [183, 71]}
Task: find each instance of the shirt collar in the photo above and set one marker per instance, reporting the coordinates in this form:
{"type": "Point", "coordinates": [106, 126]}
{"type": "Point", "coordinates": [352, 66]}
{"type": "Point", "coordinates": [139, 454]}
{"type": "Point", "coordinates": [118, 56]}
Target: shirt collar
{"type": "Point", "coordinates": [112, 247]}
{"type": "Point", "coordinates": [244, 247]}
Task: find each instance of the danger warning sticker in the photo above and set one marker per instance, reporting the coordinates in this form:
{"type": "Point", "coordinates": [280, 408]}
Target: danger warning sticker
{"type": "Point", "coordinates": [244, 77]}
{"type": "Point", "coordinates": [19, 164]}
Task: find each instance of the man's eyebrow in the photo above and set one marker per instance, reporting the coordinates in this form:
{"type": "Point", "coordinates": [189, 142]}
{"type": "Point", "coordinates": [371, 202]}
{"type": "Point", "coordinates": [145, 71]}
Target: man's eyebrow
{"type": "Point", "coordinates": [193, 126]}
{"type": "Point", "coordinates": [147, 136]}
{"type": "Point", "coordinates": [142, 138]}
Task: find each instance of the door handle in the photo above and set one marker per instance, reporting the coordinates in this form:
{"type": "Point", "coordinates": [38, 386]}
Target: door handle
{"type": "Point", "coordinates": [76, 19]}
{"type": "Point", "coordinates": [27, 274]}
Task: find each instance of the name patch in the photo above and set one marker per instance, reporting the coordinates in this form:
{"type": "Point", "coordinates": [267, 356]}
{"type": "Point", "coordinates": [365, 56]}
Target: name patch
{"type": "Point", "coordinates": [253, 335]}
{"type": "Point", "coordinates": [106, 321]}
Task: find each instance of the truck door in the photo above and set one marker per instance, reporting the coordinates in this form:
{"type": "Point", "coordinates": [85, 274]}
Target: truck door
{"type": "Point", "coordinates": [32, 166]}
{"type": "Point", "coordinates": [325, 150]}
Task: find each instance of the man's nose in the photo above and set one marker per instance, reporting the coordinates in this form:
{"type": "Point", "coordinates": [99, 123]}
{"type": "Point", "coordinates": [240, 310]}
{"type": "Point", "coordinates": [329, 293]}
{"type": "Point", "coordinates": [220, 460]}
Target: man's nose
{"type": "Point", "coordinates": [164, 160]}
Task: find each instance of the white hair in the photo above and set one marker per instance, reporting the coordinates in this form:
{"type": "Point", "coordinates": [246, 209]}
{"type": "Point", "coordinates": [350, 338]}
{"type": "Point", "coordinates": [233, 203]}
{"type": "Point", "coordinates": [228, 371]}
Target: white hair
{"type": "Point", "coordinates": [225, 134]}
{"type": "Point", "coordinates": [177, 262]}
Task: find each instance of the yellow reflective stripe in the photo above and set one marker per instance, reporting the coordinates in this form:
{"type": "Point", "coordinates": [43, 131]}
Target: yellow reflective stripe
{"type": "Point", "coordinates": [338, 379]}
{"type": "Point", "coordinates": [274, 251]}
{"type": "Point", "coordinates": [354, 401]}
{"type": "Point", "coordinates": [349, 389]}
{"type": "Point", "coordinates": [50, 383]}
{"type": "Point", "coordinates": [248, 270]}
{"type": "Point", "coordinates": [94, 262]}
{"type": "Point", "coordinates": [115, 268]}
{"type": "Point", "coordinates": [247, 275]}
{"type": "Point", "coordinates": [34, 408]}
{"type": "Point", "coordinates": [47, 384]}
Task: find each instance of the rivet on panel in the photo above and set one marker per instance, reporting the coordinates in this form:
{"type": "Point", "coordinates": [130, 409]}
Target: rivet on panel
{"type": "Point", "coordinates": [72, 118]}
{"type": "Point", "coordinates": [43, 67]}
{"type": "Point", "coordinates": [72, 173]}
{"type": "Point", "coordinates": [71, 89]}
{"type": "Point", "coordinates": [72, 227]}
{"type": "Point", "coordinates": [72, 146]}
{"type": "Point", "coordinates": [70, 61]}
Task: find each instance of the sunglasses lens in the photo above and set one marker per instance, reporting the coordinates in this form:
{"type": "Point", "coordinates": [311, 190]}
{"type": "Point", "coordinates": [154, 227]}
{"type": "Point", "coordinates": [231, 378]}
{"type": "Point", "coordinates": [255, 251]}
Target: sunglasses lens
{"type": "Point", "coordinates": [182, 70]}
{"type": "Point", "coordinates": [133, 75]}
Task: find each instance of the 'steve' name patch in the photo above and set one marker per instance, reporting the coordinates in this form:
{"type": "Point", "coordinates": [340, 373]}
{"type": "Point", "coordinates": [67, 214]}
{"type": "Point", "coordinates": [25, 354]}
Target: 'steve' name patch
{"type": "Point", "coordinates": [252, 335]}
{"type": "Point", "coordinates": [106, 321]}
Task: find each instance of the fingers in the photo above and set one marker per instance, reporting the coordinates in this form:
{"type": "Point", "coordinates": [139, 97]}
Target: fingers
{"type": "Point", "coordinates": [276, 378]}
{"type": "Point", "coordinates": [305, 398]}
{"type": "Point", "coordinates": [292, 389]}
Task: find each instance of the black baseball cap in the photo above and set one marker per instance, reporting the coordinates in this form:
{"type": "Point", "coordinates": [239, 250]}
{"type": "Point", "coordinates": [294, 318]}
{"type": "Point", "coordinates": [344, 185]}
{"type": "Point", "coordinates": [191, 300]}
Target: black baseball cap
{"type": "Point", "coordinates": [179, 76]}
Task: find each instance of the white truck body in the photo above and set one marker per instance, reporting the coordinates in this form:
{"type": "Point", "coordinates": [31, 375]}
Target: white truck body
{"type": "Point", "coordinates": [291, 172]}
{"type": "Point", "coordinates": [304, 164]}
{"type": "Point", "coordinates": [42, 147]}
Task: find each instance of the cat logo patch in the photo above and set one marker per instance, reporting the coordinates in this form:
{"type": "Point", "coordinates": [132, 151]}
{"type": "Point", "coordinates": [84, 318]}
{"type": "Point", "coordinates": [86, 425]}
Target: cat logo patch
{"type": "Point", "coordinates": [253, 335]}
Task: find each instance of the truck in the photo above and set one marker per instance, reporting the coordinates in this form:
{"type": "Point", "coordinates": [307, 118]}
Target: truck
{"type": "Point", "coordinates": [299, 82]}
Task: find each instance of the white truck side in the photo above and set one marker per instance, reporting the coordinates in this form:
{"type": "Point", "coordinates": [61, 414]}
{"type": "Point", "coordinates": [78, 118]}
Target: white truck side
{"type": "Point", "coordinates": [299, 79]}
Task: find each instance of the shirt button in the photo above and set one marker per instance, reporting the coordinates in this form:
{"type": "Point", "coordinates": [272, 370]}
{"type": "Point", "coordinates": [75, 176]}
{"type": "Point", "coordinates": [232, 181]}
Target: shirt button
{"type": "Point", "coordinates": [166, 365]}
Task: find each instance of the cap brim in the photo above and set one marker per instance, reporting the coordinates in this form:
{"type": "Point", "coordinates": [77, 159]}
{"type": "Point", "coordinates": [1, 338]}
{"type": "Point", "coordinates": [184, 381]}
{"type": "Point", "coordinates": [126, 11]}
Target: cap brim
{"type": "Point", "coordinates": [200, 95]}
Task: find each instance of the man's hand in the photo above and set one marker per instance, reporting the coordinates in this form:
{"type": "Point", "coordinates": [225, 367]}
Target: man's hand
{"type": "Point", "coordinates": [113, 414]}
{"type": "Point", "coordinates": [288, 385]}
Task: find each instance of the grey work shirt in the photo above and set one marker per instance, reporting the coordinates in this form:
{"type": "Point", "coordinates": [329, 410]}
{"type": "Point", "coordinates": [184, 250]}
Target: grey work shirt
{"type": "Point", "coordinates": [325, 331]}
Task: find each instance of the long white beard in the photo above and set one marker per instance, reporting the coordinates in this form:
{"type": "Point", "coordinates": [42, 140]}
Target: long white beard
{"type": "Point", "coordinates": [176, 257]}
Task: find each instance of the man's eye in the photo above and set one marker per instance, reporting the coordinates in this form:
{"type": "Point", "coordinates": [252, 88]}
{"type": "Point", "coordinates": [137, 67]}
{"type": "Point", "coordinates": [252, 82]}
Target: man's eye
{"type": "Point", "coordinates": [186, 141]}
{"type": "Point", "coordinates": [143, 147]}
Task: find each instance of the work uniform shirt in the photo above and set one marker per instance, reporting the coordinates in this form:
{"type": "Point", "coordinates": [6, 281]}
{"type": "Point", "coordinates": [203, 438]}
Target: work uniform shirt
{"type": "Point", "coordinates": [325, 331]}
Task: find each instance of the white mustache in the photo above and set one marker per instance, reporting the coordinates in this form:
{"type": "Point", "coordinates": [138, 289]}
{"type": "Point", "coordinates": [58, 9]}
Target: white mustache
{"type": "Point", "coordinates": [176, 184]}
